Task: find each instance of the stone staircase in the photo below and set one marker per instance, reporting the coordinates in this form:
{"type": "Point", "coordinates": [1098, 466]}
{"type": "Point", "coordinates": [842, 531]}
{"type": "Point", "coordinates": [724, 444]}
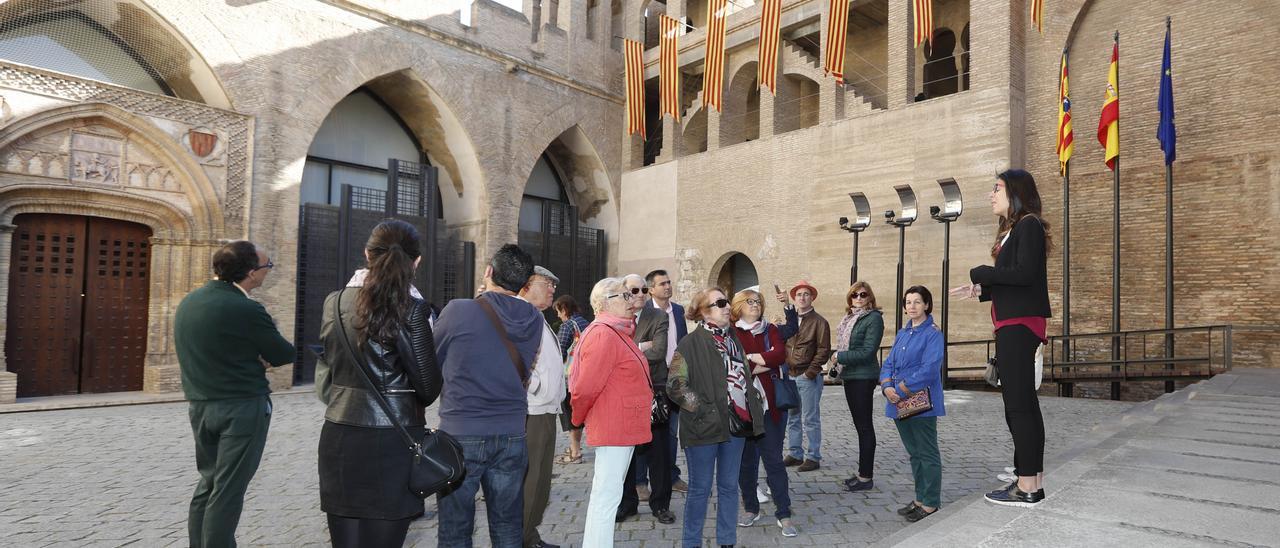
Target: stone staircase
{"type": "Point", "coordinates": [796, 57]}
{"type": "Point", "coordinates": [1197, 467]}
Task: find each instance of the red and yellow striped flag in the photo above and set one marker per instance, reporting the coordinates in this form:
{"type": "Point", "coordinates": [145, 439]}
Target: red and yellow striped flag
{"type": "Point", "coordinates": [669, 75]}
{"type": "Point", "coordinates": [837, 28]}
{"type": "Point", "coordinates": [1037, 14]}
{"type": "Point", "coordinates": [1066, 140]}
{"type": "Point", "coordinates": [635, 87]}
{"type": "Point", "coordinates": [1109, 124]}
{"type": "Point", "coordinates": [713, 74]}
{"type": "Point", "coordinates": [922, 13]}
{"type": "Point", "coordinates": [770, 19]}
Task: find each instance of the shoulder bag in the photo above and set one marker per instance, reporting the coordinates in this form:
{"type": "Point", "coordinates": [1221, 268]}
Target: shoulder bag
{"type": "Point", "coordinates": [786, 396]}
{"type": "Point", "coordinates": [659, 407]}
{"type": "Point", "coordinates": [437, 465]}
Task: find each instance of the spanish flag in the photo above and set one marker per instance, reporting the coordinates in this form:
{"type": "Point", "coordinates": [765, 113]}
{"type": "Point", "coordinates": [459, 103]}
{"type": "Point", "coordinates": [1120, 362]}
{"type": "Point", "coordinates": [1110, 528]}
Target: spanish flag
{"type": "Point", "coordinates": [1109, 124]}
{"type": "Point", "coordinates": [1066, 140]}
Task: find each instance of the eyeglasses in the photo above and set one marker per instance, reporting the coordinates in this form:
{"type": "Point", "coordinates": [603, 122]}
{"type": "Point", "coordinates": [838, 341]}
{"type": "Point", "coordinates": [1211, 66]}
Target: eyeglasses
{"type": "Point", "coordinates": [260, 267]}
{"type": "Point", "coordinates": [639, 290]}
{"type": "Point", "coordinates": [859, 295]}
{"type": "Point", "coordinates": [550, 284]}
{"type": "Point", "coordinates": [753, 301]}
{"type": "Point", "coordinates": [625, 296]}
{"type": "Point", "coordinates": [719, 303]}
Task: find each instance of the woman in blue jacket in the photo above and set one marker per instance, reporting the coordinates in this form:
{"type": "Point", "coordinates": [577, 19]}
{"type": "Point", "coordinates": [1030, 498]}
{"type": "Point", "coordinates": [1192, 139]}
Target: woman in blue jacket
{"type": "Point", "coordinates": [914, 364]}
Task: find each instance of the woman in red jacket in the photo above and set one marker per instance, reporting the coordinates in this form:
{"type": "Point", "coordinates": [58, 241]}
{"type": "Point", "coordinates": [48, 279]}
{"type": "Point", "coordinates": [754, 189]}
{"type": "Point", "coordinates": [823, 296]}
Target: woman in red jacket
{"type": "Point", "coordinates": [612, 397]}
{"type": "Point", "coordinates": [762, 343]}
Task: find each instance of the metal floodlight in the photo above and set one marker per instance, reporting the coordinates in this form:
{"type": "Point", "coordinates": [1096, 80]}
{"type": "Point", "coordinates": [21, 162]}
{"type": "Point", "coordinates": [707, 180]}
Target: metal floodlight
{"type": "Point", "coordinates": [862, 213]}
{"type": "Point", "coordinates": [908, 199]}
{"type": "Point", "coordinates": [952, 204]}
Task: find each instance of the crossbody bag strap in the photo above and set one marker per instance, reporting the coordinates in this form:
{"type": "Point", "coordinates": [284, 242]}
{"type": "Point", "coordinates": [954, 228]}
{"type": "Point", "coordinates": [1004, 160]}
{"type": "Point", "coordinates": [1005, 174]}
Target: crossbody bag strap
{"type": "Point", "coordinates": [643, 361]}
{"type": "Point", "coordinates": [516, 360]}
{"type": "Point", "coordinates": [367, 375]}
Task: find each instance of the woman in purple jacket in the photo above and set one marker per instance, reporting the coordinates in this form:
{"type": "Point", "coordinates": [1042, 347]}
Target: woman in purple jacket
{"type": "Point", "coordinates": [914, 364]}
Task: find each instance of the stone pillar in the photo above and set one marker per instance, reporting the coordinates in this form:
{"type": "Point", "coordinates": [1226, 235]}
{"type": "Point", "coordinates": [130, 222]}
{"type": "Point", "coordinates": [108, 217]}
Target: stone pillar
{"type": "Point", "coordinates": [713, 129]}
{"type": "Point", "coordinates": [997, 33]}
{"type": "Point", "coordinates": [766, 113]}
{"type": "Point", "coordinates": [676, 9]}
{"type": "Point", "coordinates": [672, 140]}
{"type": "Point", "coordinates": [8, 379]}
{"type": "Point", "coordinates": [902, 55]}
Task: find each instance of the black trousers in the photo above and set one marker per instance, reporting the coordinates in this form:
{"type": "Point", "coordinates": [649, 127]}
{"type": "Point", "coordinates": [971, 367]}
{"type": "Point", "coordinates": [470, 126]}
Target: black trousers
{"type": "Point", "coordinates": [367, 533]}
{"type": "Point", "coordinates": [1015, 361]}
{"type": "Point", "coordinates": [659, 473]}
{"type": "Point", "coordinates": [858, 393]}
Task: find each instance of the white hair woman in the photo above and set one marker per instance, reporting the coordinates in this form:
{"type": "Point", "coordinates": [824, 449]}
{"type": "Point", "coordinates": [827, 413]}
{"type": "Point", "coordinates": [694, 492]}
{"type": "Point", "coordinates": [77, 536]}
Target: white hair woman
{"type": "Point", "coordinates": [611, 396]}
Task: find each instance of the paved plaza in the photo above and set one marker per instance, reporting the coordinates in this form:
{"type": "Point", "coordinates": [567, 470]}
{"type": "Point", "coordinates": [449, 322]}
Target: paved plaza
{"type": "Point", "coordinates": [123, 476]}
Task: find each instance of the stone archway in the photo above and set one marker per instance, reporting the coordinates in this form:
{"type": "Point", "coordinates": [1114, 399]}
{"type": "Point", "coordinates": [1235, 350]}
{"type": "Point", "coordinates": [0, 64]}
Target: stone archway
{"type": "Point", "coordinates": [734, 272]}
{"type": "Point", "coordinates": [95, 160]}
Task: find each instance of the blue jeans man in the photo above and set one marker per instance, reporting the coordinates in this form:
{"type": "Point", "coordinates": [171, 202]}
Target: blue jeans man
{"type": "Point", "coordinates": [807, 418]}
{"type": "Point", "coordinates": [497, 464]}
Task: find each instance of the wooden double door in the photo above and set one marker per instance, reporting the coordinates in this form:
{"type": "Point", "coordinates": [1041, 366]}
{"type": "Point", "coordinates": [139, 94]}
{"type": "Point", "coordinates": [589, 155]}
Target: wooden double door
{"type": "Point", "coordinates": [78, 293]}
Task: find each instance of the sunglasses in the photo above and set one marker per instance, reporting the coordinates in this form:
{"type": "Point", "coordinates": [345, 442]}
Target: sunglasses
{"type": "Point", "coordinates": [719, 303]}
{"type": "Point", "coordinates": [859, 295]}
{"type": "Point", "coordinates": [268, 265]}
{"type": "Point", "coordinates": [639, 290]}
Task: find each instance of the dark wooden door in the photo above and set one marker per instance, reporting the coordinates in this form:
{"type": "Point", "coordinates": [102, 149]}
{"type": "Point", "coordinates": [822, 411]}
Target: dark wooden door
{"type": "Point", "coordinates": [114, 334]}
{"type": "Point", "coordinates": [77, 304]}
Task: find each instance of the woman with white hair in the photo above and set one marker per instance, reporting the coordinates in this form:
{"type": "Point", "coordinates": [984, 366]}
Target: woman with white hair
{"type": "Point", "coordinates": [611, 396]}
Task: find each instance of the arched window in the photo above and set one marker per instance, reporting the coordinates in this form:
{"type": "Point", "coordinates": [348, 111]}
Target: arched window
{"type": "Point", "coordinates": [73, 43]}
{"type": "Point", "coordinates": [352, 147]}
{"type": "Point", "coordinates": [121, 42]}
{"type": "Point", "coordinates": [544, 186]}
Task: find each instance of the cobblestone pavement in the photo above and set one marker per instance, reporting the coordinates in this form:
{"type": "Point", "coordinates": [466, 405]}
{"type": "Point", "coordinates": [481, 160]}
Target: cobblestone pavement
{"type": "Point", "coordinates": [124, 475]}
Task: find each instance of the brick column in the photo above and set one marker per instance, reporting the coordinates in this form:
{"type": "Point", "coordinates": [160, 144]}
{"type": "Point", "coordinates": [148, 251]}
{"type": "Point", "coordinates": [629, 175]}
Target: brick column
{"type": "Point", "coordinates": [672, 140]}
{"type": "Point", "coordinates": [766, 113]}
{"type": "Point", "coordinates": [8, 380]}
{"type": "Point", "coordinates": [997, 32]}
{"type": "Point", "coordinates": [902, 55]}
{"type": "Point", "coordinates": [713, 129]}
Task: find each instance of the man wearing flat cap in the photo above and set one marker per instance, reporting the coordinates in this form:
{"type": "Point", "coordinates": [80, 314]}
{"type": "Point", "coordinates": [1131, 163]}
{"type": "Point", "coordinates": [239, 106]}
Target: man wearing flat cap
{"type": "Point", "coordinates": [806, 352]}
{"type": "Point", "coordinates": [546, 391]}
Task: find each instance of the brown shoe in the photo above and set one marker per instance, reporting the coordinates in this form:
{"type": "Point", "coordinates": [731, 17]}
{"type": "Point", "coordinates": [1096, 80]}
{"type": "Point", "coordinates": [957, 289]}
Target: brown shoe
{"type": "Point", "coordinates": [642, 492]}
{"type": "Point", "coordinates": [791, 461]}
{"type": "Point", "coordinates": [809, 465]}
{"type": "Point", "coordinates": [680, 486]}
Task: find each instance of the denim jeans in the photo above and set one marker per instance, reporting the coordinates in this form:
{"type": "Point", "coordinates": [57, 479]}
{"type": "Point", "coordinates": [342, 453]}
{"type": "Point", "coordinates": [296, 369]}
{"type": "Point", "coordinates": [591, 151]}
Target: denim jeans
{"type": "Point", "coordinates": [769, 449]}
{"type": "Point", "coordinates": [606, 492]}
{"type": "Point", "coordinates": [497, 464]}
{"type": "Point", "coordinates": [642, 465]}
{"type": "Point", "coordinates": [721, 460]}
{"type": "Point", "coordinates": [810, 416]}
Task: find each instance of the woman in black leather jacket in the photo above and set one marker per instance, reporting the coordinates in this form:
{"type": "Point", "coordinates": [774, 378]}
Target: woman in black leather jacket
{"type": "Point", "coordinates": [364, 464]}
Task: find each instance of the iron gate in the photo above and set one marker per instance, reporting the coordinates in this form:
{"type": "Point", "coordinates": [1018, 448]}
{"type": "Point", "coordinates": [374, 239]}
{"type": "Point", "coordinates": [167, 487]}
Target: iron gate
{"type": "Point", "coordinates": [331, 247]}
{"type": "Point", "coordinates": [574, 253]}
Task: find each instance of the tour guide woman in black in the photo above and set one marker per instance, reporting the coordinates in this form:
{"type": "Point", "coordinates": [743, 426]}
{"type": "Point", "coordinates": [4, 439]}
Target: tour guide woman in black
{"type": "Point", "coordinates": [1018, 289]}
{"type": "Point", "coordinates": [364, 464]}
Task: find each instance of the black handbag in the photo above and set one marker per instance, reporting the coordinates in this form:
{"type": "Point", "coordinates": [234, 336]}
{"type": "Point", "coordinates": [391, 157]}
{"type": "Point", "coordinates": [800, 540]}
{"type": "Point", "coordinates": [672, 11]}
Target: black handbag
{"type": "Point", "coordinates": [438, 465]}
{"type": "Point", "coordinates": [739, 428]}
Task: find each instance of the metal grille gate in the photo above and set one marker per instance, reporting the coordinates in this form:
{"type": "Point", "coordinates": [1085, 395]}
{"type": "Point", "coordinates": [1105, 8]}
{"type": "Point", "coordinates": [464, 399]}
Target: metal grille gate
{"type": "Point", "coordinates": [575, 253]}
{"type": "Point", "coordinates": [331, 248]}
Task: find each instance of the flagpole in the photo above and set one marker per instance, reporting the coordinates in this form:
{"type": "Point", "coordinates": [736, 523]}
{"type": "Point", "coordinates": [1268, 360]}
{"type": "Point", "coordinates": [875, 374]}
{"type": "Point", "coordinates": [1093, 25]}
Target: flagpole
{"type": "Point", "coordinates": [1115, 243]}
{"type": "Point", "coordinates": [1168, 247]}
{"type": "Point", "coordinates": [1065, 389]}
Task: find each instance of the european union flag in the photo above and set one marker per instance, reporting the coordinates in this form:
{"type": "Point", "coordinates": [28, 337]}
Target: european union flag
{"type": "Point", "coordinates": [1167, 134]}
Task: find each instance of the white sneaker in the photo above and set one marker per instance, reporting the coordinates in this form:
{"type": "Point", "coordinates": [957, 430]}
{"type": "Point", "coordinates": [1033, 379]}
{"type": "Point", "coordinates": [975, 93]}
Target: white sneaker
{"type": "Point", "coordinates": [762, 495]}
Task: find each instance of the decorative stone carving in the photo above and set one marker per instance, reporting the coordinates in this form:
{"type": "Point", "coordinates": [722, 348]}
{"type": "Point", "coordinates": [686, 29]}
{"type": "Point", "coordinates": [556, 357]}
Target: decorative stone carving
{"type": "Point", "coordinates": [233, 128]}
{"type": "Point", "coordinates": [6, 113]}
{"type": "Point", "coordinates": [95, 158]}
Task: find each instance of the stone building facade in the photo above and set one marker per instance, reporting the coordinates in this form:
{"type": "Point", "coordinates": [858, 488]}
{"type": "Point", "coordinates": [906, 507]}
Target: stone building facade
{"type": "Point", "coordinates": [217, 146]}
{"type": "Point", "coordinates": [486, 89]}
{"type": "Point", "coordinates": [772, 194]}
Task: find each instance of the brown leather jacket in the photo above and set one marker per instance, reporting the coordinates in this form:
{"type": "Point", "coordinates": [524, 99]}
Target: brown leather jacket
{"type": "Point", "coordinates": [810, 348]}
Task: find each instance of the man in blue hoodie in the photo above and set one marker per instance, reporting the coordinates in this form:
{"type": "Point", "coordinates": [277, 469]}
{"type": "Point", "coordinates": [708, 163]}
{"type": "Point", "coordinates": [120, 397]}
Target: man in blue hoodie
{"type": "Point", "coordinates": [483, 403]}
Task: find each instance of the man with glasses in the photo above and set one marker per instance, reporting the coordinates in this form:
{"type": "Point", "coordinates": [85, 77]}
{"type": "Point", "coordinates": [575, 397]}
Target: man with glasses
{"type": "Point", "coordinates": [225, 340]}
{"type": "Point", "coordinates": [807, 351]}
{"type": "Point", "coordinates": [546, 392]}
{"type": "Point", "coordinates": [651, 336]}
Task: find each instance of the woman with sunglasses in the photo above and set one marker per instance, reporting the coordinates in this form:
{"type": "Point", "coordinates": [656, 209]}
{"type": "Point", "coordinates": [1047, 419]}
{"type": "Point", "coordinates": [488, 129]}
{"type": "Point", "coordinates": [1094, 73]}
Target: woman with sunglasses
{"type": "Point", "coordinates": [712, 384]}
{"type": "Point", "coordinates": [766, 353]}
{"type": "Point", "coordinates": [1018, 288]}
{"type": "Point", "coordinates": [857, 341]}
{"type": "Point", "coordinates": [611, 396]}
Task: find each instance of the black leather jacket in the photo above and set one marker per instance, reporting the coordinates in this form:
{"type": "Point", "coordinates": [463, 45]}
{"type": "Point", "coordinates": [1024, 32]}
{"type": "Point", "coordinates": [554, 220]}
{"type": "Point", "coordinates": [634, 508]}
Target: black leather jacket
{"type": "Point", "coordinates": [405, 372]}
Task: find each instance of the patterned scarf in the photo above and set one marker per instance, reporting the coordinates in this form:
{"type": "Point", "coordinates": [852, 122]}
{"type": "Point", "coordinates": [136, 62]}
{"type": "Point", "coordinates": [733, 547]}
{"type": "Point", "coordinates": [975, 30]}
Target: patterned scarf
{"type": "Point", "coordinates": [735, 369]}
{"type": "Point", "coordinates": [845, 329]}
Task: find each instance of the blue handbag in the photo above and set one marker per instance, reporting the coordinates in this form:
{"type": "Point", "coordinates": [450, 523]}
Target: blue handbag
{"type": "Point", "coordinates": [786, 396]}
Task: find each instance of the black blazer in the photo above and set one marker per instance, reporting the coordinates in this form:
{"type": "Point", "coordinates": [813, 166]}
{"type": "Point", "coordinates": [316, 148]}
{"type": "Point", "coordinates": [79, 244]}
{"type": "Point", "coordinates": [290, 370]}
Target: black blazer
{"type": "Point", "coordinates": [652, 325]}
{"type": "Point", "coordinates": [1018, 283]}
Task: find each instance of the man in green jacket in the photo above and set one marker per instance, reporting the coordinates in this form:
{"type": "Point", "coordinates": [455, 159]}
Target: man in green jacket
{"type": "Point", "coordinates": [225, 340]}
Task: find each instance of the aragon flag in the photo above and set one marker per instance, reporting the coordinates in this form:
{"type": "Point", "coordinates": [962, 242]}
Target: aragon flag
{"type": "Point", "coordinates": [1109, 123]}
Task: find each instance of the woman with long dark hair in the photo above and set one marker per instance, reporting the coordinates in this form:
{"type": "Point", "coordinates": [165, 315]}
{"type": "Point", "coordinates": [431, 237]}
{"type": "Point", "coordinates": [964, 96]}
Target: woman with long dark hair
{"type": "Point", "coordinates": [1018, 288]}
{"type": "Point", "coordinates": [364, 464]}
